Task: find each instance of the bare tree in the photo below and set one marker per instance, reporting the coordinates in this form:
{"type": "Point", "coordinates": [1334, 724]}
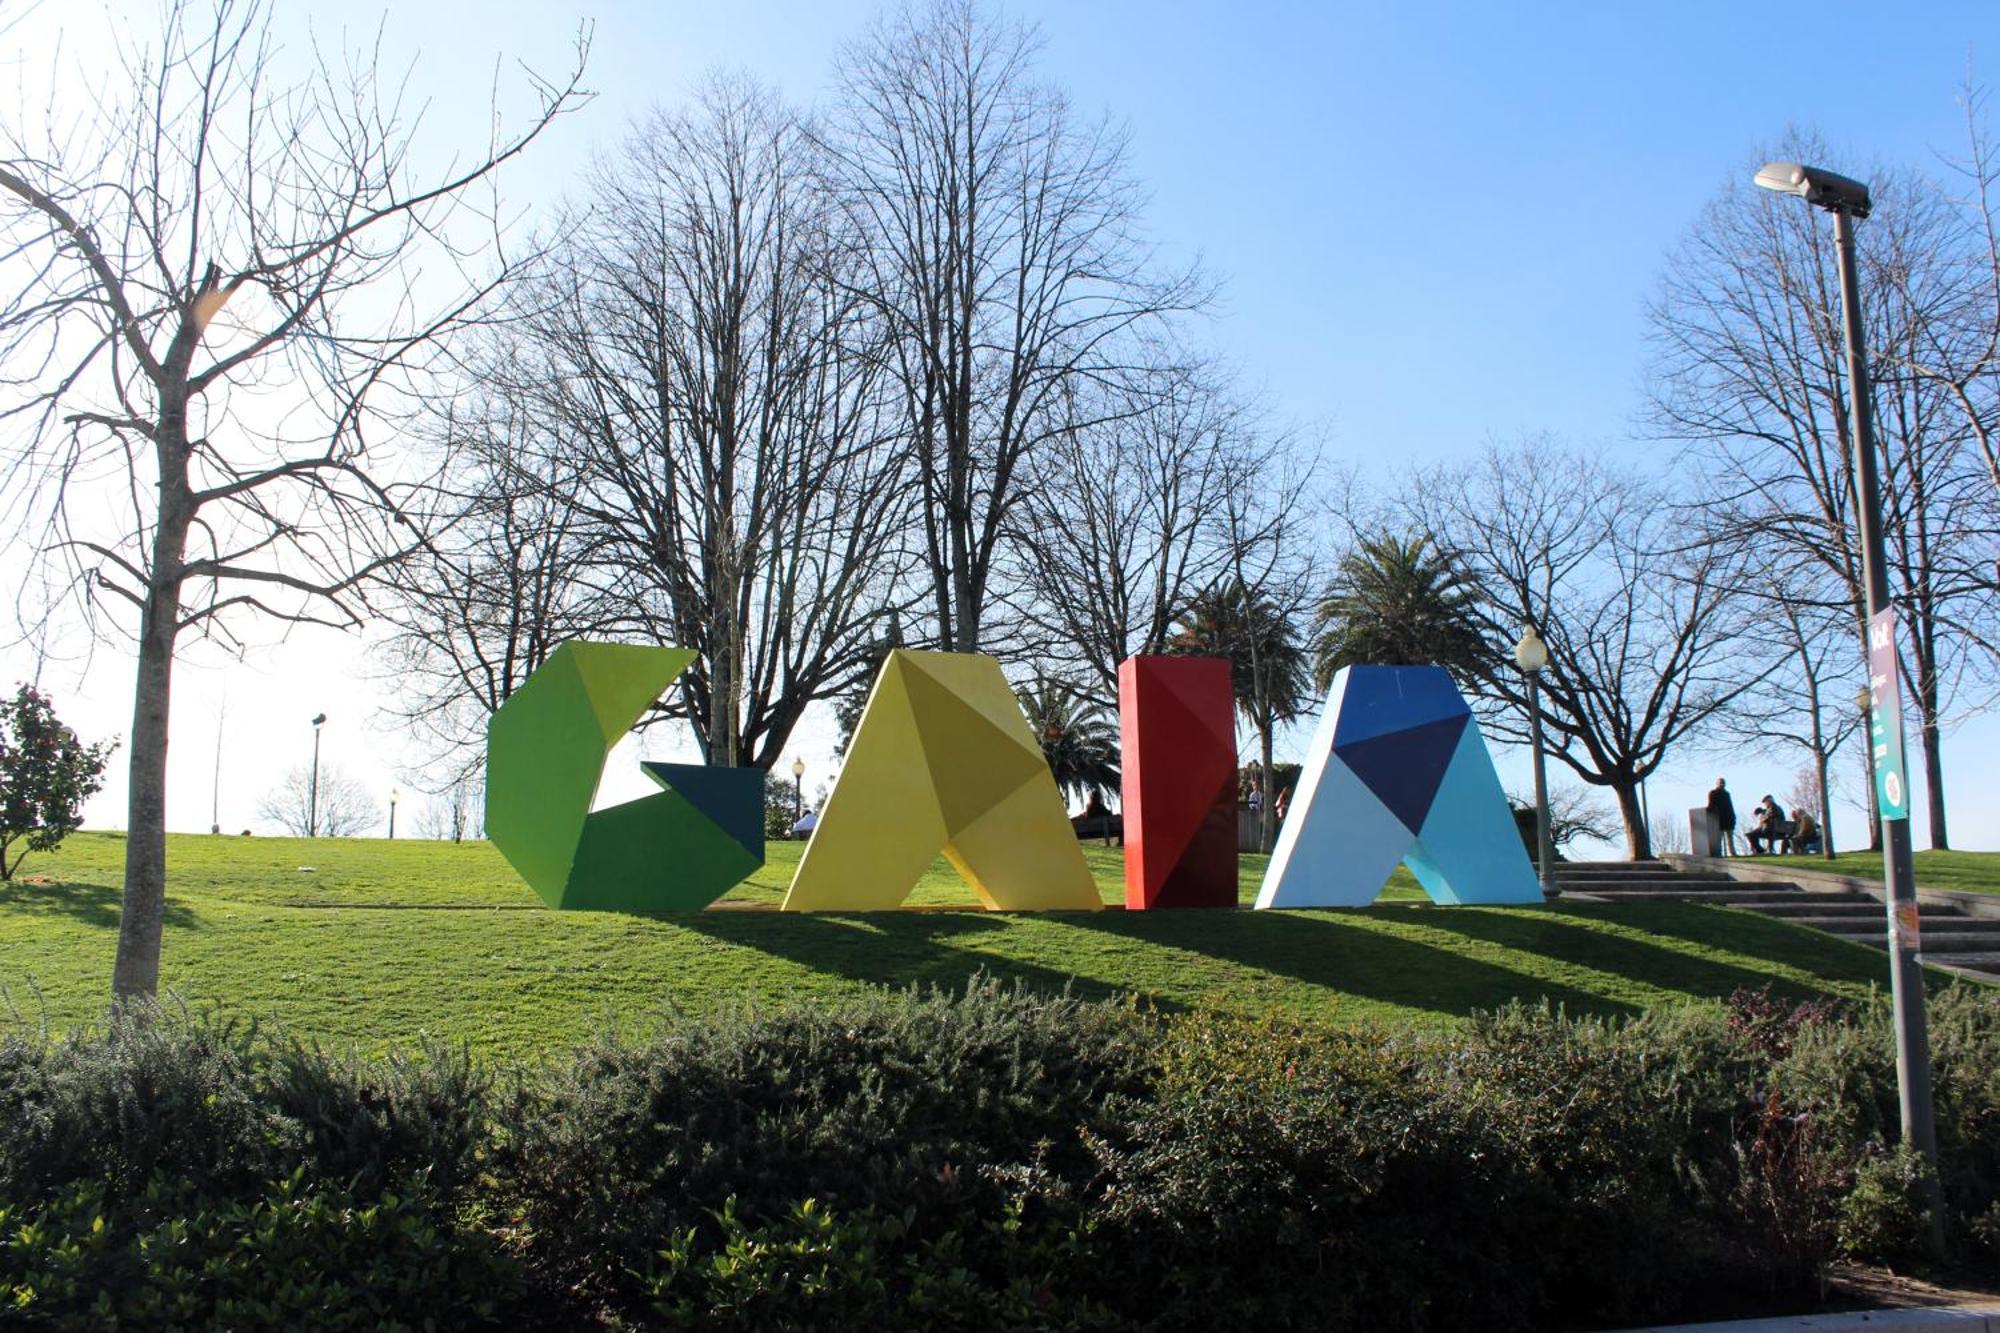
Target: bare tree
{"type": "Point", "coordinates": [1003, 257]}
{"type": "Point", "coordinates": [1749, 370]}
{"type": "Point", "coordinates": [719, 386]}
{"type": "Point", "coordinates": [1126, 523]}
{"type": "Point", "coordinates": [510, 571]}
{"type": "Point", "coordinates": [1644, 643]}
{"type": "Point", "coordinates": [1800, 704]}
{"type": "Point", "coordinates": [452, 813]}
{"type": "Point", "coordinates": [145, 455]}
{"type": "Point", "coordinates": [340, 804]}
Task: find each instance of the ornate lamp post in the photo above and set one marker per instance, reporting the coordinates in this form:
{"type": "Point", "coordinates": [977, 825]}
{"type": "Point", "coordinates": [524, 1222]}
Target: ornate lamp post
{"type": "Point", "coordinates": [1531, 655]}
{"type": "Point", "coordinates": [395, 794]}
{"type": "Point", "coordinates": [798, 791]}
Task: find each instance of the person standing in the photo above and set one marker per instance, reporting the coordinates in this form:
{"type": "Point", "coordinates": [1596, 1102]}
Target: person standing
{"type": "Point", "coordinates": [1722, 817]}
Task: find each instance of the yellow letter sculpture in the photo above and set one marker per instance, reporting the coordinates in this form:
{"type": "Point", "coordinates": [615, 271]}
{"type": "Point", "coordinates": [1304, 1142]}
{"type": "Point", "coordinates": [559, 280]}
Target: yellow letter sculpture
{"type": "Point", "coordinates": [943, 759]}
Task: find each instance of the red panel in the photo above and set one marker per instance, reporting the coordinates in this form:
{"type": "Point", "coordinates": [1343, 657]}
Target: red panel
{"type": "Point", "coordinates": [1177, 733]}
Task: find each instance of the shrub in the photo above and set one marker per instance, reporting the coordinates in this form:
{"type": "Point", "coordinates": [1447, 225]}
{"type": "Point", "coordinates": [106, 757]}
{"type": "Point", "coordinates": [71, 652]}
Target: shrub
{"type": "Point", "coordinates": [294, 1255]}
{"type": "Point", "coordinates": [918, 1105]}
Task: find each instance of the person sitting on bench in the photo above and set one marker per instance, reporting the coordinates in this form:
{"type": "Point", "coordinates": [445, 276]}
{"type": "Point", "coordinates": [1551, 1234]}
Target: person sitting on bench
{"type": "Point", "coordinates": [1804, 838]}
{"type": "Point", "coordinates": [1769, 828]}
{"type": "Point", "coordinates": [1098, 821]}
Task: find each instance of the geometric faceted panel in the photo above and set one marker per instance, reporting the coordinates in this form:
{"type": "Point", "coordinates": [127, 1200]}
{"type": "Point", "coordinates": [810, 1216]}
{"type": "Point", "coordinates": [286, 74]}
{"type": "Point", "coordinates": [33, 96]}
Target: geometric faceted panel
{"type": "Point", "coordinates": [1177, 738]}
{"type": "Point", "coordinates": [677, 850]}
{"type": "Point", "coordinates": [943, 761]}
{"type": "Point", "coordinates": [1398, 771]}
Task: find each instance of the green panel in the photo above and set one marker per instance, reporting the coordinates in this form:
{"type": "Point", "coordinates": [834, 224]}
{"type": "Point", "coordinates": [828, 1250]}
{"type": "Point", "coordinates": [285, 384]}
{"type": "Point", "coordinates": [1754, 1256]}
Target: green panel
{"type": "Point", "coordinates": [545, 753]}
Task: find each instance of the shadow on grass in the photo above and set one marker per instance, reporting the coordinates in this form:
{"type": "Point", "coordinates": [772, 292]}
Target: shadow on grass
{"type": "Point", "coordinates": [1333, 950]}
{"type": "Point", "coordinates": [1556, 933]}
{"type": "Point", "coordinates": [1745, 932]}
{"type": "Point", "coordinates": [898, 949]}
{"type": "Point", "coordinates": [95, 905]}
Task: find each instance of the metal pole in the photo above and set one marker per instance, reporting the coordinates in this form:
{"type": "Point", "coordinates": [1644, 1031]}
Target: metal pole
{"type": "Point", "coordinates": [1906, 981]}
{"type": "Point", "coordinates": [1544, 850]}
{"type": "Point", "coordinates": [392, 819]}
{"type": "Point", "coordinates": [312, 799]}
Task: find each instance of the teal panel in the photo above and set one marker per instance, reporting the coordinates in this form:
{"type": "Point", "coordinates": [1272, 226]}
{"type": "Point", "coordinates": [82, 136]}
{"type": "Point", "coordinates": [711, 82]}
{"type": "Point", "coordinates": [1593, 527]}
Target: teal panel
{"type": "Point", "coordinates": [1469, 850]}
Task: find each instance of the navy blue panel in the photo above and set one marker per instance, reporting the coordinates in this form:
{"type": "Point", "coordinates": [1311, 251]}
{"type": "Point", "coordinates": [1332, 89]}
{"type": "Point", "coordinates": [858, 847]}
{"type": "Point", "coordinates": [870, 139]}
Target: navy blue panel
{"type": "Point", "coordinates": [1404, 768]}
{"type": "Point", "coordinates": [1382, 699]}
{"type": "Point", "coordinates": [730, 798]}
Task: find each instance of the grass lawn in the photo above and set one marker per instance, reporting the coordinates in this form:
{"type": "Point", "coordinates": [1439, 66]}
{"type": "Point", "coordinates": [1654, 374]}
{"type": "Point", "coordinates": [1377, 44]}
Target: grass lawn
{"type": "Point", "coordinates": [1970, 872]}
{"type": "Point", "coordinates": [376, 942]}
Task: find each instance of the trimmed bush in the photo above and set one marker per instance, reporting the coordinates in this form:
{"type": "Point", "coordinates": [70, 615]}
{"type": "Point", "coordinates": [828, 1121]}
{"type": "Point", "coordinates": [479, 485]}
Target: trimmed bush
{"type": "Point", "coordinates": [991, 1160]}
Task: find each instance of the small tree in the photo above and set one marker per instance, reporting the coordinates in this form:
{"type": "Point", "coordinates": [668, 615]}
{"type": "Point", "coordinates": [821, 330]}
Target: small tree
{"type": "Point", "coordinates": [342, 805]}
{"type": "Point", "coordinates": [46, 774]}
{"type": "Point", "coordinates": [1400, 600]}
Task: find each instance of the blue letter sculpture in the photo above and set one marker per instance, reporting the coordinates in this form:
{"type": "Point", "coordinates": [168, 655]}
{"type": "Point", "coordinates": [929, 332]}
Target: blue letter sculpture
{"type": "Point", "coordinates": [1397, 772]}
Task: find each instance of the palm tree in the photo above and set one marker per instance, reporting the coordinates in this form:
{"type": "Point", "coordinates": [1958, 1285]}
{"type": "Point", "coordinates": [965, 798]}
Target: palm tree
{"type": "Point", "coordinates": [1399, 601]}
{"type": "Point", "coordinates": [1267, 665]}
{"type": "Point", "coordinates": [1077, 740]}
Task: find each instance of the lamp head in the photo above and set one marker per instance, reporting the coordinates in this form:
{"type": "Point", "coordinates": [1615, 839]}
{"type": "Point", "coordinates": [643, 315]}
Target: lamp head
{"type": "Point", "coordinates": [320, 720]}
{"type": "Point", "coordinates": [1531, 654]}
{"type": "Point", "coordinates": [1864, 697]}
{"type": "Point", "coordinates": [798, 768]}
{"type": "Point", "coordinates": [1817, 186]}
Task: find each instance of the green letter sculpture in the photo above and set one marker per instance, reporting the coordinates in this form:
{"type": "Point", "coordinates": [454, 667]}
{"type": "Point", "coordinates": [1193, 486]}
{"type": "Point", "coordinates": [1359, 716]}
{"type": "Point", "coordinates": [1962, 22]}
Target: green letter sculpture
{"type": "Point", "coordinates": [677, 850]}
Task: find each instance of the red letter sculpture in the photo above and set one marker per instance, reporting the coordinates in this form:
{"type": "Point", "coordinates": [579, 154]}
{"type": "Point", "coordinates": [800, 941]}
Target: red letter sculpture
{"type": "Point", "coordinates": [1177, 730]}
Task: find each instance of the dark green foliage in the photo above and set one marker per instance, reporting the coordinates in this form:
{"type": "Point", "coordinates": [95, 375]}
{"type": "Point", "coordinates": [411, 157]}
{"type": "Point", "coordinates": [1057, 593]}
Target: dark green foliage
{"type": "Point", "coordinates": [46, 774]}
{"type": "Point", "coordinates": [1267, 668]}
{"type": "Point", "coordinates": [988, 1161]}
{"type": "Point", "coordinates": [931, 1103]}
{"type": "Point", "coordinates": [1400, 600]}
{"type": "Point", "coordinates": [782, 804]}
{"type": "Point", "coordinates": [289, 1255]}
{"type": "Point", "coordinates": [1079, 742]}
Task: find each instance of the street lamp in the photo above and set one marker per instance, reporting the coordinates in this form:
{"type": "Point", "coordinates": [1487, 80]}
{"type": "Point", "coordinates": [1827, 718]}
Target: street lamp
{"type": "Point", "coordinates": [395, 794]}
{"type": "Point", "coordinates": [312, 798]}
{"type": "Point", "coordinates": [798, 791]}
{"type": "Point", "coordinates": [1531, 655]}
{"type": "Point", "coordinates": [1847, 200]}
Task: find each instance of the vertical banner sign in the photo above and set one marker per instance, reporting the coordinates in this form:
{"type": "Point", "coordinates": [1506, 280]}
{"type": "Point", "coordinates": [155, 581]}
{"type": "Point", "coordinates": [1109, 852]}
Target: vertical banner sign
{"type": "Point", "coordinates": [1885, 737]}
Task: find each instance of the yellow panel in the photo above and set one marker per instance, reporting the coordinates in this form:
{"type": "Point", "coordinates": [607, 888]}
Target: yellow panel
{"type": "Point", "coordinates": [976, 681]}
{"type": "Point", "coordinates": [1023, 856]}
{"type": "Point", "coordinates": [974, 765]}
{"type": "Point", "coordinates": [881, 827]}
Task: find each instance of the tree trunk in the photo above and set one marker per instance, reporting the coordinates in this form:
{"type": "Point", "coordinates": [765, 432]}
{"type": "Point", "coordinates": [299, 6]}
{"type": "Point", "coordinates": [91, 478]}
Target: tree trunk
{"type": "Point", "coordinates": [1267, 823]}
{"type": "Point", "coordinates": [136, 974]}
{"type": "Point", "coordinates": [1638, 838]}
{"type": "Point", "coordinates": [1868, 786]}
{"type": "Point", "coordinates": [1825, 805]}
{"type": "Point", "coordinates": [1933, 743]}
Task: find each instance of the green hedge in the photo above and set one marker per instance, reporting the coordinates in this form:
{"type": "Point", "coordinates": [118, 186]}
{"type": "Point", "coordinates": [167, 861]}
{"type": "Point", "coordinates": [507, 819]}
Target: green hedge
{"type": "Point", "coordinates": [992, 1160]}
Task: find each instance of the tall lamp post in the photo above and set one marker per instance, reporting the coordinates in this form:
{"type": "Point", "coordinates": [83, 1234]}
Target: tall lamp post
{"type": "Point", "coordinates": [798, 791]}
{"type": "Point", "coordinates": [1531, 655]}
{"type": "Point", "coordinates": [312, 797]}
{"type": "Point", "coordinates": [394, 795]}
{"type": "Point", "coordinates": [1847, 200]}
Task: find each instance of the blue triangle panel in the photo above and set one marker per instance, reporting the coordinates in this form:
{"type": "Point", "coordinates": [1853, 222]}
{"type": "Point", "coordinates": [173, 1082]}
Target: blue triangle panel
{"type": "Point", "coordinates": [1381, 699]}
{"type": "Point", "coordinates": [730, 798]}
{"type": "Point", "coordinates": [1404, 768]}
{"type": "Point", "coordinates": [1470, 849]}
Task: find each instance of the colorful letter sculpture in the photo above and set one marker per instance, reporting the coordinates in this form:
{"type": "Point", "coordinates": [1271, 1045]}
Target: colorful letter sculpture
{"type": "Point", "coordinates": [943, 760]}
{"type": "Point", "coordinates": [677, 850]}
{"type": "Point", "coordinates": [1397, 771]}
{"type": "Point", "coordinates": [1177, 744]}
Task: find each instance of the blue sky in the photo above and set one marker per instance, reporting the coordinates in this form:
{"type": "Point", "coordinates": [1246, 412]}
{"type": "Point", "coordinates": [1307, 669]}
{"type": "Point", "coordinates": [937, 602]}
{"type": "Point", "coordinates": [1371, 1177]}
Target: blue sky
{"type": "Point", "coordinates": [1437, 223]}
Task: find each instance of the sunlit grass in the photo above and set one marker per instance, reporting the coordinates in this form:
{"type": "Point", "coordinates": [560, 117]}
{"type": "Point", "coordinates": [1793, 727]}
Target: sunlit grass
{"type": "Point", "coordinates": [376, 943]}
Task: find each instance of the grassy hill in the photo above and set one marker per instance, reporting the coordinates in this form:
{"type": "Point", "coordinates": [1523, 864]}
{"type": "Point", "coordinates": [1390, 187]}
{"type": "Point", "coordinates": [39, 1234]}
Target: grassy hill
{"type": "Point", "coordinates": [378, 942]}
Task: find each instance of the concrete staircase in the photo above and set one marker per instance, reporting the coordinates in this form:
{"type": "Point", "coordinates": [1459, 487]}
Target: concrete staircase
{"type": "Point", "coordinates": [1953, 938]}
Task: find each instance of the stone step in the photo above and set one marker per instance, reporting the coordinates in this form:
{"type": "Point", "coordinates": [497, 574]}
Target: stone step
{"type": "Point", "coordinates": [1937, 943]}
{"type": "Point", "coordinates": [1716, 897]}
{"type": "Point", "coordinates": [1575, 870]}
{"type": "Point", "coordinates": [1857, 905]}
{"type": "Point", "coordinates": [1985, 963]}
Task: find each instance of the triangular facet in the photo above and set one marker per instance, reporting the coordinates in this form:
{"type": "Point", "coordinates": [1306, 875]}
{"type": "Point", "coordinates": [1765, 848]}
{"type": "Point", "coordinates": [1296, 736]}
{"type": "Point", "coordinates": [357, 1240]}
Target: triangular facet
{"type": "Point", "coordinates": [975, 680]}
{"type": "Point", "coordinates": [730, 798]}
{"type": "Point", "coordinates": [1403, 768]}
{"type": "Point", "coordinates": [1379, 700]}
{"type": "Point", "coordinates": [620, 679]}
{"type": "Point", "coordinates": [974, 765]}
